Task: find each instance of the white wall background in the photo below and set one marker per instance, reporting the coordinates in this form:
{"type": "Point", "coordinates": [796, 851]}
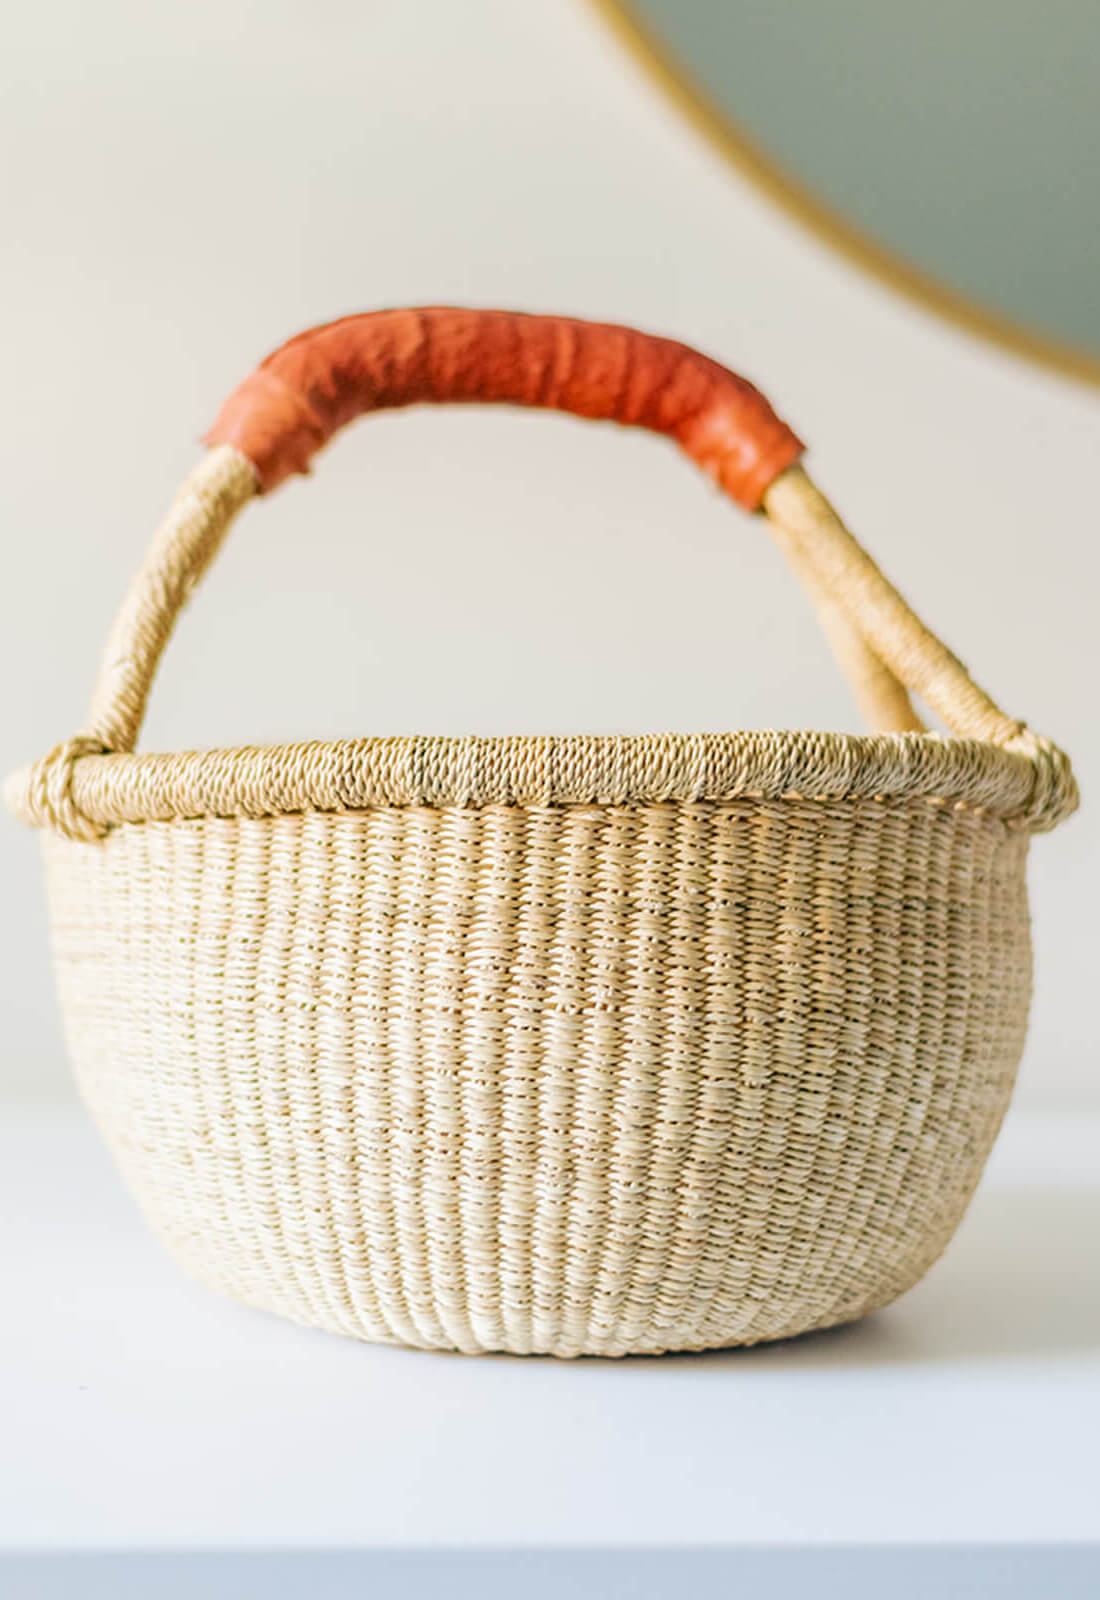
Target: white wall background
{"type": "Point", "coordinates": [186, 185]}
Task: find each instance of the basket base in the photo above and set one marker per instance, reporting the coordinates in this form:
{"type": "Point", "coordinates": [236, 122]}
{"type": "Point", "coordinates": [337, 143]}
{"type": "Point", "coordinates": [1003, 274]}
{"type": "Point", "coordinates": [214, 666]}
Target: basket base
{"type": "Point", "coordinates": [596, 1347]}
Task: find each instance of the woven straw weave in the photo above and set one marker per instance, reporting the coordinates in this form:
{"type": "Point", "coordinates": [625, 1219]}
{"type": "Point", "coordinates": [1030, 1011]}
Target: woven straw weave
{"type": "Point", "coordinates": [570, 1046]}
{"type": "Point", "coordinates": [562, 1079]}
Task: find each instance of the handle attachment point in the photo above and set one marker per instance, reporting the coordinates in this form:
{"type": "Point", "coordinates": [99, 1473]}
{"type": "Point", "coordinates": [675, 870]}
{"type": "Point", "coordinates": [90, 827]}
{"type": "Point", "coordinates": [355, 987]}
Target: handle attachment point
{"type": "Point", "coordinates": [48, 796]}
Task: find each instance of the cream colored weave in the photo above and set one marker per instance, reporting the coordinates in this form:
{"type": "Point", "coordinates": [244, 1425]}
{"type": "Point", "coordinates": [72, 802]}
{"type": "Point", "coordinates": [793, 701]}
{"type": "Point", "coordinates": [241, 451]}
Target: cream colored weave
{"type": "Point", "coordinates": [567, 1046]}
{"type": "Point", "coordinates": [569, 1079]}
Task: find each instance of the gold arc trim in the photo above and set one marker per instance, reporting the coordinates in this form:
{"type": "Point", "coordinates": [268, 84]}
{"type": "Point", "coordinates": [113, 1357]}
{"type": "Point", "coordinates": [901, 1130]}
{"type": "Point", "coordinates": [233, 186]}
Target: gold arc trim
{"type": "Point", "coordinates": [732, 143]}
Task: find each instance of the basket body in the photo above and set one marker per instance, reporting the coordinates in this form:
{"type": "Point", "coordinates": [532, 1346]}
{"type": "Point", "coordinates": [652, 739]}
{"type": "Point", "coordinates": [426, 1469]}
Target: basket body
{"type": "Point", "coordinates": [567, 1079]}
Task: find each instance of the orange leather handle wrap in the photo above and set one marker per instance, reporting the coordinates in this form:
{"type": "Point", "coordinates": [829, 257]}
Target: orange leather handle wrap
{"type": "Point", "coordinates": [296, 400]}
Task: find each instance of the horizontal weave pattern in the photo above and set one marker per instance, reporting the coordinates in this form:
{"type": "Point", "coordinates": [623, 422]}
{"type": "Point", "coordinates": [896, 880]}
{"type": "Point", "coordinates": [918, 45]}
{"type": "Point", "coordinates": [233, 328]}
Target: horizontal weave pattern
{"type": "Point", "coordinates": [352, 774]}
{"type": "Point", "coordinates": [565, 1079]}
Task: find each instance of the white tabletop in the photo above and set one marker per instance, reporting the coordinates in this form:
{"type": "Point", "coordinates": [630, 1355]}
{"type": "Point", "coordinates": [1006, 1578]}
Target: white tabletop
{"type": "Point", "coordinates": [142, 1411]}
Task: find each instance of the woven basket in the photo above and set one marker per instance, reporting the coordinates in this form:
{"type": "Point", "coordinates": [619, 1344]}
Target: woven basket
{"type": "Point", "coordinates": [581, 1045]}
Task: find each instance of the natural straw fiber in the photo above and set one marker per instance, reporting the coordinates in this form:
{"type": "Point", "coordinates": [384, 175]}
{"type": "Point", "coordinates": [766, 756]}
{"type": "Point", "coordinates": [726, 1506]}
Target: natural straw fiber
{"type": "Point", "coordinates": [551, 1078]}
{"type": "Point", "coordinates": [568, 1046]}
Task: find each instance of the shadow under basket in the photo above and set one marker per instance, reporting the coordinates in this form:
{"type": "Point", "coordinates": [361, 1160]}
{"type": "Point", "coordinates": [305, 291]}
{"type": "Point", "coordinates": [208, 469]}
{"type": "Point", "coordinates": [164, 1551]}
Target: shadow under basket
{"type": "Point", "coordinates": [573, 1046]}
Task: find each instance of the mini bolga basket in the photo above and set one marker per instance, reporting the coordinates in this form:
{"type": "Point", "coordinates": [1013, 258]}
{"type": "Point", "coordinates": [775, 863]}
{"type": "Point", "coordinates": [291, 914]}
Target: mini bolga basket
{"type": "Point", "coordinates": [565, 1045]}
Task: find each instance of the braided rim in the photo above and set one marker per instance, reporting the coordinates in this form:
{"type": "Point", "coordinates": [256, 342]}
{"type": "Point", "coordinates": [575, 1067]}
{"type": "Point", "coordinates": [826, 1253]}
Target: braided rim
{"type": "Point", "coordinates": [101, 791]}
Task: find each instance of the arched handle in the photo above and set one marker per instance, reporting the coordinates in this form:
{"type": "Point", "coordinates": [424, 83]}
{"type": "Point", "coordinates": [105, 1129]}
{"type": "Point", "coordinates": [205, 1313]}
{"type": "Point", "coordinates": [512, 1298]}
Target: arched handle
{"type": "Point", "coordinates": [297, 399]}
{"type": "Point", "coordinates": [289, 407]}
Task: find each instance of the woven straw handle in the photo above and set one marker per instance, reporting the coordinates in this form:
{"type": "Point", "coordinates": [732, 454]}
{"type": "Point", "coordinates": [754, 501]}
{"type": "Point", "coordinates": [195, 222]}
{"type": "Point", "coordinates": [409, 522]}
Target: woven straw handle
{"type": "Point", "coordinates": [291, 405]}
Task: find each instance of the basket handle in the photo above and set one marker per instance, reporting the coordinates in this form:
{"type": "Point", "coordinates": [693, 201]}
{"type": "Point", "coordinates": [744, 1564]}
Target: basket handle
{"type": "Point", "coordinates": [294, 402]}
{"type": "Point", "coordinates": [273, 424]}
{"type": "Point", "coordinates": [297, 398]}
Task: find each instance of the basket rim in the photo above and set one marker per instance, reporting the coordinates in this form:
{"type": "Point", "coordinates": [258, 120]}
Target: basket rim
{"type": "Point", "coordinates": [438, 771]}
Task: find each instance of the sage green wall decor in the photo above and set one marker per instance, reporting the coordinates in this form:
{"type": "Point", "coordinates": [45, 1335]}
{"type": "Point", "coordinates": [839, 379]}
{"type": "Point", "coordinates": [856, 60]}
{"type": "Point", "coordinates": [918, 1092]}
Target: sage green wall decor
{"type": "Point", "coordinates": [960, 136]}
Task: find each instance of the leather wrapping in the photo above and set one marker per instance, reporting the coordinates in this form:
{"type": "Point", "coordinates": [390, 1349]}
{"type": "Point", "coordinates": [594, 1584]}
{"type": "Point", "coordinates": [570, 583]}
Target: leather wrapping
{"type": "Point", "coordinates": [301, 394]}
